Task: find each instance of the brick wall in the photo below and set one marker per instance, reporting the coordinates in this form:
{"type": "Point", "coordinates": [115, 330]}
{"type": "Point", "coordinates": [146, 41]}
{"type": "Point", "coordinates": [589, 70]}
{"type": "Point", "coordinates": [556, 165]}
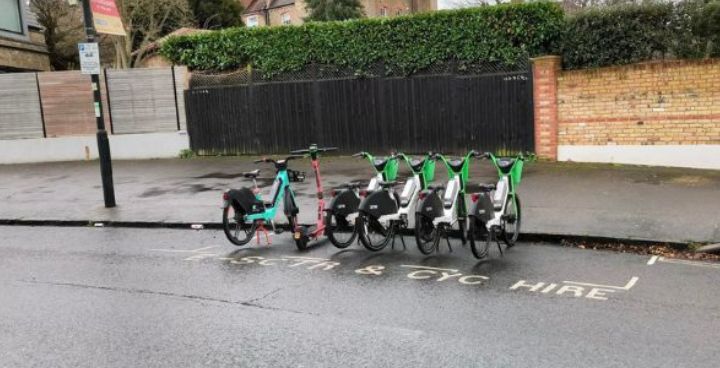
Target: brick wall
{"type": "Point", "coordinates": [643, 113]}
{"type": "Point", "coordinates": [658, 103]}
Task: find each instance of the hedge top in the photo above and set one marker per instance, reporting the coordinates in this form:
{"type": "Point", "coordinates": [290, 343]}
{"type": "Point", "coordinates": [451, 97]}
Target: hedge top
{"type": "Point", "coordinates": [406, 44]}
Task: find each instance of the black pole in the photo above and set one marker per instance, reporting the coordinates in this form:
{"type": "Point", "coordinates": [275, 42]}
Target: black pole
{"type": "Point", "coordinates": [102, 136]}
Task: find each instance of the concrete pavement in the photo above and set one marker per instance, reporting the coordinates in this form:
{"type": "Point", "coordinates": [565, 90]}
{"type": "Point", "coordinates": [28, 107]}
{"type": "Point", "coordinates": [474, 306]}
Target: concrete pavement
{"type": "Point", "coordinates": [627, 202]}
{"type": "Point", "coordinates": [85, 297]}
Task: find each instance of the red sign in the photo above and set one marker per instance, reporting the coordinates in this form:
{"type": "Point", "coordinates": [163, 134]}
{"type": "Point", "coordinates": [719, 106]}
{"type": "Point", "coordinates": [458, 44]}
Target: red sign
{"type": "Point", "coordinates": [107, 17]}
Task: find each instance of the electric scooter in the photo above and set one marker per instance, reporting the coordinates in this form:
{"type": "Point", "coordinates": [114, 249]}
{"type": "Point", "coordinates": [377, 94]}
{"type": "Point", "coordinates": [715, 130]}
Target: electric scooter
{"type": "Point", "coordinates": [304, 234]}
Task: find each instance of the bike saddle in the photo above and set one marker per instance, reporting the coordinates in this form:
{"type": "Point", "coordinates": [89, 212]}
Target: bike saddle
{"type": "Point", "coordinates": [351, 186]}
{"type": "Point", "coordinates": [436, 187]}
{"type": "Point", "coordinates": [456, 164]}
{"type": "Point", "coordinates": [252, 174]}
{"type": "Point", "coordinates": [487, 187]}
{"type": "Point", "coordinates": [505, 164]}
{"type": "Point", "coordinates": [389, 184]}
{"type": "Point", "coordinates": [417, 164]}
{"type": "Point", "coordinates": [380, 163]}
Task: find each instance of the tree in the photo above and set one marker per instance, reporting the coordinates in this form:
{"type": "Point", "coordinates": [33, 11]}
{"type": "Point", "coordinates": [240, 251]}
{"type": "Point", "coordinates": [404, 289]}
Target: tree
{"type": "Point", "coordinates": [214, 14]}
{"type": "Point", "coordinates": [325, 10]}
{"type": "Point", "coordinates": [63, 29]}
{"type": "Point", "coordinates": [146, 21]}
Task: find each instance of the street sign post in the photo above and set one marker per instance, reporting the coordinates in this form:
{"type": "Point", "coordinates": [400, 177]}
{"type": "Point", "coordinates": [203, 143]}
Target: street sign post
{"type": "Point", "coordinates": [90, 62]}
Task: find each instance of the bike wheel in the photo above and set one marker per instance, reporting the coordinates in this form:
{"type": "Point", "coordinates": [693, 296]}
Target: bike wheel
{"type": "Point", "coordinates": [299, 233]}
{"type": "Point", "coordinates": [236, 229]}
{"type": "Point", "coordinates": [479, 238]}
{"type": "Point", "coordinates": [511, 221]}
{"type": "Point", "coordinates": [373, 234]}
{"type": "Point", "coordinates": [425, 234]}
{"type": "Point", "coordinates": [339, 230]}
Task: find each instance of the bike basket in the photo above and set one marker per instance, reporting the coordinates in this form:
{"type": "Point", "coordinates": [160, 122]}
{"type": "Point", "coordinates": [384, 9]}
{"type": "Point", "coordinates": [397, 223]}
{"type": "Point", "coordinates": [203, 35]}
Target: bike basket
{"type": "Point", "coordinates": [391, 169]}
{"type": "Point", "coordinates": [516, 173]}
{"type": "Point", "coordinates": [428, 170]}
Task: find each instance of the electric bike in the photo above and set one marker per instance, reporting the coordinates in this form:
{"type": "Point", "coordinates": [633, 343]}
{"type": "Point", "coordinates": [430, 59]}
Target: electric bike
{"type": "Point", "coordinates": [441, 208]}
{"type": "Point", "coordinates": [303, 234]}
{"type": "Point", "coordinates": [495, 212]}
{"type": "Point", "coordinates": [341, 214]}
{"type": "Point", "coordinates": [245, 211]}
{"type": "Point", "coordinates": [383, 213]}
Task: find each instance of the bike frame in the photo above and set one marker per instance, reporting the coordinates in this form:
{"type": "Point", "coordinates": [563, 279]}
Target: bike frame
{"type": "Point", "coordinates": [455, 180]}
{"type": "Point", "coordinates": [320, 224]}
{"type": "Point", "coordinates": [268, 215]}
{"type": "Point", "coordinates": [504, 189]}
{"type": "Point", "coordinates": [411, 191]}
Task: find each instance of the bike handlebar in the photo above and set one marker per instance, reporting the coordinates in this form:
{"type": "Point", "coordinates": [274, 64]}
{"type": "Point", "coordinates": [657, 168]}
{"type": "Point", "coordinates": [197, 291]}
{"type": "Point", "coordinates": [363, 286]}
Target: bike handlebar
{"type": "Point", "coordinates": [360, 154]}
{"type": "Point", "coordinates": [317, 150]}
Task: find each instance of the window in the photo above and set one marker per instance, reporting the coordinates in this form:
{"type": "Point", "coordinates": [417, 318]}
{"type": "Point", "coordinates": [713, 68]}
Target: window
{"type": "Point", "coordinates": [252, 21]}
{"type": "Point", "coordinates": [10, 16]}
{"type": "Point", "coordinates": [285, 18]}
{"type": "Point", "coordinates": [383, 12]}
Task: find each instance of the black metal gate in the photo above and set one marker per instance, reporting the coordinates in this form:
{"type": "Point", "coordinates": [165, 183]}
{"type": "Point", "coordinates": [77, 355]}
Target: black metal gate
{"type": "Point", "coordinates": [443, 113]}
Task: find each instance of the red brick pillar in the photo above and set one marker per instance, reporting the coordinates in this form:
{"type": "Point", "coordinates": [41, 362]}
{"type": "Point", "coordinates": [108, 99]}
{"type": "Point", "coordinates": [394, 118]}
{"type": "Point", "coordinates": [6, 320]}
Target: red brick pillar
{"type": "Point", "coordinates": [545, 73]}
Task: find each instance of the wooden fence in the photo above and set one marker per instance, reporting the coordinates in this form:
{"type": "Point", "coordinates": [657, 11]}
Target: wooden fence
{"type": "Point", "coordinates": [56, 104]}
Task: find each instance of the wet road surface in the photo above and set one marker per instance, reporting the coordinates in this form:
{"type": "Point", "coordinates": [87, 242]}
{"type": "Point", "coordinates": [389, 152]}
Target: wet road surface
{"type": "Point", "coordinates": [104, 297]}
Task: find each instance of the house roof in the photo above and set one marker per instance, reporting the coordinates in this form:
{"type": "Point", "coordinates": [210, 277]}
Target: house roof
{"type": "Point", "coordinates": [30, 17]}
{"type": "Point", "coordinates": [260, 5]}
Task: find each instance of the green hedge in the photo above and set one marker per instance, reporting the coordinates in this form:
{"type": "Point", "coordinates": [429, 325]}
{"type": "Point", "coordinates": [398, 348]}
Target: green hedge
{"type": "Point", "coordinates": [608, 35]}
{"type": "Point", "coordinates": [616, 35]}
{"type": "Point", "coordinates": [406, 44]}
{"type": "Point", "coordinates": [623, 34]}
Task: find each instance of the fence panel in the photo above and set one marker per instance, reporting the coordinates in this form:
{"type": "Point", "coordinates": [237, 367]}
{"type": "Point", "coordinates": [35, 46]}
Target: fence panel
{"type": "Point", "coordinates": [67, 101]}
{"type": "Point", "coordinates": [21, 115]}
{"type": "Point", "coordinates": [448, 113]}
{"type": "Point", "coordinates": [142, 100]}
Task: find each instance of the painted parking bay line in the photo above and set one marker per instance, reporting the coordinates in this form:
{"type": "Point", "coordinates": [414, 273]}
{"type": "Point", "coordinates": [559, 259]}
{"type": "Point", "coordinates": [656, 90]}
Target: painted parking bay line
{"type": "Point", "coordinates": [689, 263]}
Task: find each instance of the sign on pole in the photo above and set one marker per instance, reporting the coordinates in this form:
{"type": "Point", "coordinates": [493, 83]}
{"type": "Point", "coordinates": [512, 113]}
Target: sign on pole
{"type": "Point", "coordinates": [89, 58]}
{"type": "Point", "coordinates": [107, 17]}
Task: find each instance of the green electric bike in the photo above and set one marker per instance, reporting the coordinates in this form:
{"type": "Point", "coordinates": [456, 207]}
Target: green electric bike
{"type": "Point", "coordinates": [442, 209]}
{"type": "Point", "coordinates": [342, 214]}
{"type": "Point", "coordinates": [495, 214]}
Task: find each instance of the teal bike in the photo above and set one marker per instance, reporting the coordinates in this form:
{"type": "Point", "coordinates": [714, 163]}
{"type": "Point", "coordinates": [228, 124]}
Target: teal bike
{"type": "Point", "coordinates": [245, 211]}
{"type": "Point", "coordinates": [495, 214]}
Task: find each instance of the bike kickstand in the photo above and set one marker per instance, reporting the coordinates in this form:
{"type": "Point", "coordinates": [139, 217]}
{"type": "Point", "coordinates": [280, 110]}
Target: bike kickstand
{"type": "Point", "coordinates": [447, 239]}
{"type": "Point", "coordinates": [402, 239]}
{"type": "Point", "coordinates": [498, 245]}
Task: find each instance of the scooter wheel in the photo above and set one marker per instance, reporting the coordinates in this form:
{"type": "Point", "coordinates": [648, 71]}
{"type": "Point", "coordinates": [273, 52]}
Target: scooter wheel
{"type": "Point", "coordinates": [301, 238]}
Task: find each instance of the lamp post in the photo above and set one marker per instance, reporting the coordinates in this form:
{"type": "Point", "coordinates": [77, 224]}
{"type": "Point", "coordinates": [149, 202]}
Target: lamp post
{"type": "Point", "coordinates": [102, 136]}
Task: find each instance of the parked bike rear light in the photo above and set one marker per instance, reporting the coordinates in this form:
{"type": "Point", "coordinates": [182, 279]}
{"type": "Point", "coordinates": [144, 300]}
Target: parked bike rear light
{"type": "Point", "coordinates": [333, 193]}
{"type": "Point", "coordinates": [423, 195]}
{"type": "Point", "coordinates": [474, 197]}
{"type": "Point", "coordinates": [226, 196]}
{"type": "Point", "coordinates": [363, 193]}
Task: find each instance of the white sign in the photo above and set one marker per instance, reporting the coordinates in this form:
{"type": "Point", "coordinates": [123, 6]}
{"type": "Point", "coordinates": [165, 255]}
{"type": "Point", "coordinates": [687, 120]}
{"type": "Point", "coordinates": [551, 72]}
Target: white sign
{"type": "Point", "coordinates": [89, 58]}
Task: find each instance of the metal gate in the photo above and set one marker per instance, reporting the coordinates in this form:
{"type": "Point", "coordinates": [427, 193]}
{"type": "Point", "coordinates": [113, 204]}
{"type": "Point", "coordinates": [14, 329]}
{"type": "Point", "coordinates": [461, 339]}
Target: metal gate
{"type": "Point", "coordinates": [443, 113]}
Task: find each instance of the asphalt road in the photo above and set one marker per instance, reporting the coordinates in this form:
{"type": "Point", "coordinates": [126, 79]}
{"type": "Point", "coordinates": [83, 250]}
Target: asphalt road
{"type": "Point", "coordinates": [102, 297]}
